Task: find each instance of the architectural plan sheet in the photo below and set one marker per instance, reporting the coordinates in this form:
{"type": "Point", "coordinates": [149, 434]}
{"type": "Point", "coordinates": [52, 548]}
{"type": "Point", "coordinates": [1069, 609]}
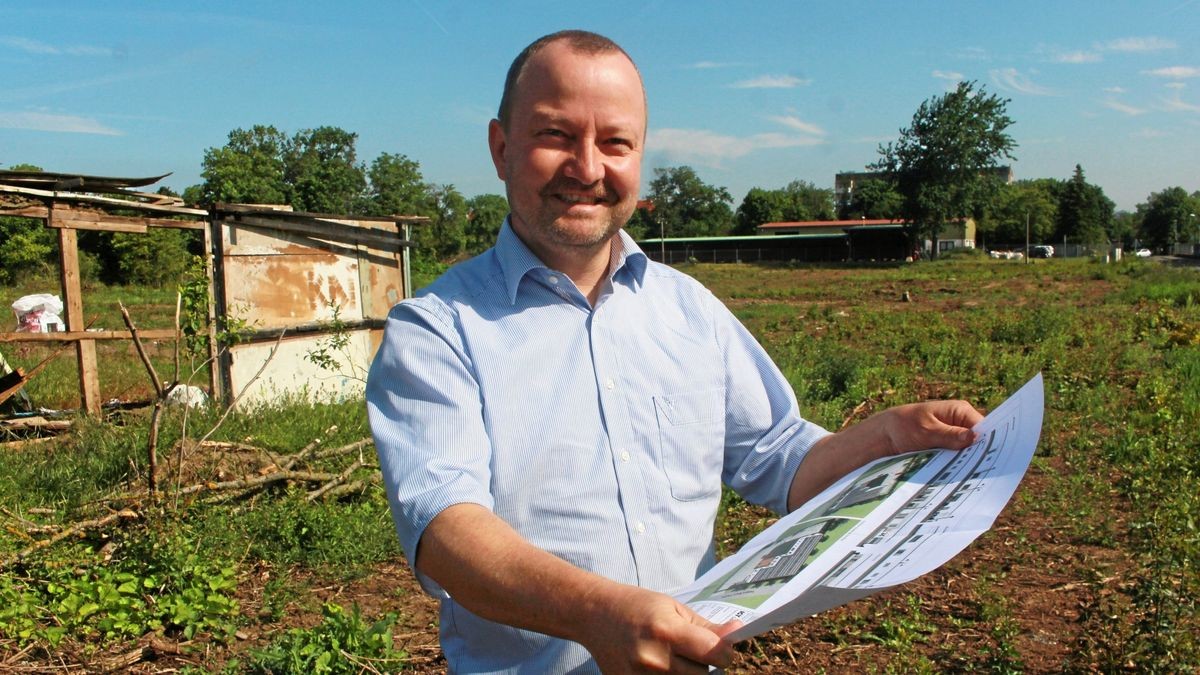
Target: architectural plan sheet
{"type": "Point", "coordinates": [882, 525]}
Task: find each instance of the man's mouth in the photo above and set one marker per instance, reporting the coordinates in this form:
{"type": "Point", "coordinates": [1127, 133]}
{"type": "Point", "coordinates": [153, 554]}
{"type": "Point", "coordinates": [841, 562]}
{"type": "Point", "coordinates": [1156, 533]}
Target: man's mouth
{"type": "Point", "coordinates": [582, 199]}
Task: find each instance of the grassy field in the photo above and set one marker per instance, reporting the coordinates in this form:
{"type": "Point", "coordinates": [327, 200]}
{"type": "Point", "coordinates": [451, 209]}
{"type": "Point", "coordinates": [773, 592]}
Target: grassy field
{"type": "Point", "coordinates": [1092, 568]}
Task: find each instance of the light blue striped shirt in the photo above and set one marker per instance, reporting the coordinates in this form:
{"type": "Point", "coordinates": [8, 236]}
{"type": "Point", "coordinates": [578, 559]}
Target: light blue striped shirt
{"type": "Point", "coordinates": [601, 434]}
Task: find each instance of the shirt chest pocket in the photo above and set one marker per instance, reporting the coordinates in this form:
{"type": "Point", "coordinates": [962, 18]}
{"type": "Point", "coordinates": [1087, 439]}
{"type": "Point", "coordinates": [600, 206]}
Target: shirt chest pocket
{"type": "Point", "coordinates": [691, 441]}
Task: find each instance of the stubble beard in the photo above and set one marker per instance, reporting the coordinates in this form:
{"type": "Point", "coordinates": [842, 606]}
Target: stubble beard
{"type": "Point", "coordinates": [573, 234]}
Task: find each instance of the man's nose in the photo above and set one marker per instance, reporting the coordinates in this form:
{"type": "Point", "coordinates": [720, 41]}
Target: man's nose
{"type": "Point", "coordinates": [586, 164]}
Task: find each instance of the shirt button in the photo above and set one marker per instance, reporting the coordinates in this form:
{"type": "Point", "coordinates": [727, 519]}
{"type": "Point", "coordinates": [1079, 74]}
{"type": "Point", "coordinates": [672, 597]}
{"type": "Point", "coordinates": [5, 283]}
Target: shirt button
{"type": "Point", "coordinates": [554, 280]}
{"type": "Point", "coordinates": [609, 384]}
{"type": "Point", "coordinates": [624, 455]}
{"type": "Point", "coordinates": [640, 527]}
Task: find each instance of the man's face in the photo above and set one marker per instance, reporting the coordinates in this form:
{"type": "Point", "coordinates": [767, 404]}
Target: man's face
{"type": "Point", "coordinates": [571, 155]}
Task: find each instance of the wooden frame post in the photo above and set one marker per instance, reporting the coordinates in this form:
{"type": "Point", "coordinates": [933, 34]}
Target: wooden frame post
{"type": "Point", "coordinates": [85, 350]}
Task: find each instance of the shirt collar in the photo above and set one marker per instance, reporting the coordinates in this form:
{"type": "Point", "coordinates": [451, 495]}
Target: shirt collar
{"type": "Point", "coordinates": [516, 260]}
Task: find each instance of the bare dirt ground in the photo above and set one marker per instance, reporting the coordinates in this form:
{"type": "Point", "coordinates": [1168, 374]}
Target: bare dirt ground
{"type": "Point", "coordinates": [1047, 585]}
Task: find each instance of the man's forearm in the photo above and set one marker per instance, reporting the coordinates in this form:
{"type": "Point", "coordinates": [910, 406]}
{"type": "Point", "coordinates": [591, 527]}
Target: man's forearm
{"type": "Point", "coordinates": [833, 457]}
{"type": "Point", "coordinates": [491, 570]}
{"type": "Point", "coordinates": [916, 426]}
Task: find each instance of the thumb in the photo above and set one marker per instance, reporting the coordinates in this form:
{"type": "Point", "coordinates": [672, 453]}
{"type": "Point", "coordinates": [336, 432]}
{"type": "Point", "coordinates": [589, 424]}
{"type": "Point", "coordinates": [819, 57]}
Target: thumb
{"type": "Point", "coordinates": [952, 437]}
{"type": "Point", "coordinates": [702, 640]}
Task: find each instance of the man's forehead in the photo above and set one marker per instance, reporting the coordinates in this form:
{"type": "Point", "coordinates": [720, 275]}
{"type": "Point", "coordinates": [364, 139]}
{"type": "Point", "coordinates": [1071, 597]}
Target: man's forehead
{"type": "Point", "coordinates": [552, 71]}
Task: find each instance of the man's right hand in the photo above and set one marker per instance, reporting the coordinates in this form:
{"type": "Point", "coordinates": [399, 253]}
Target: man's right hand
{"type": "Point", "coordinates": [633, 630]}
{"type": "Point", "coordinates": [492, 571]}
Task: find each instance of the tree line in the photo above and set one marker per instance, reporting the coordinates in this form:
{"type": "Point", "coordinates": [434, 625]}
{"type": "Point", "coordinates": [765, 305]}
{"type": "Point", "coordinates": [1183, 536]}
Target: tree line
{"type": "Point", "coordinates": [943, 166]}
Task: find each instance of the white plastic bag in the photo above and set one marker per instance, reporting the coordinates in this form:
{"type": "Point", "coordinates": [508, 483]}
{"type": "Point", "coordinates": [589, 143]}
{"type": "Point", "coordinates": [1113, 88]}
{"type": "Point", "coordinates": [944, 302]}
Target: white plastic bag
{"type": "Point", "coordinates": [39, 313]}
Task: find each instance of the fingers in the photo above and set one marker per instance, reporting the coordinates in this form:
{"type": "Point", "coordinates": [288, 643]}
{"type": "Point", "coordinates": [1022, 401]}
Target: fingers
{"type": "Point", "coordinates": [701, 640]}
{"type": "Point", "coordinates": [934, 424]}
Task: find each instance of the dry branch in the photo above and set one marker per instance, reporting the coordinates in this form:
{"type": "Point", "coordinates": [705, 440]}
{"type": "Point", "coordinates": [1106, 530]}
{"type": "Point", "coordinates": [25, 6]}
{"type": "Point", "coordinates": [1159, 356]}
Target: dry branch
{"type": "Point", "coordinates": [258, 481]}
{"type": "Point", "coordinates": [335, 481]}
{"type": "Point", "coordinates": [159, 395]}
{"type": "Point", "coordinates": [74, 529]}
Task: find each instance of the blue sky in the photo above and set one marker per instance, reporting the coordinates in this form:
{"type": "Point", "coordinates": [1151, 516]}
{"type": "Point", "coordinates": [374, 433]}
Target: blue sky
{"type": "Point", "coordinates": [748, 94]}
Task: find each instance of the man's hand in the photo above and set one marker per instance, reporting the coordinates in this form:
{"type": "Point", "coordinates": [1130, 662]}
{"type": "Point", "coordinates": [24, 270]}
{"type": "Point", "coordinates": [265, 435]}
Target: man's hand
{"type": "Point", "coordinates": [933, 424]}
{"type": "Point", "coordinates": [639, 631]}
{"type": "Point", "coordinates": [492, 571]}
{"type": "Point", "coordinates": [916, 426]}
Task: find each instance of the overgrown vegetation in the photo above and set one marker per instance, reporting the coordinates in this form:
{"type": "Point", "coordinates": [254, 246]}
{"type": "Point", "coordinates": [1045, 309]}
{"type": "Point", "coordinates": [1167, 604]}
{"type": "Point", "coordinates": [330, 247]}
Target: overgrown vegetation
{"type": "Point", "coordinates": [1093, 567]}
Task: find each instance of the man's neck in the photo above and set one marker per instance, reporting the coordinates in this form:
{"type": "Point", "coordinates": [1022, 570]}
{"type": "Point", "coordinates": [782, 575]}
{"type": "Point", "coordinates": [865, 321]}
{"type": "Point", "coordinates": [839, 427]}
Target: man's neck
{"type": "Point", "coordinates": [587, 268]}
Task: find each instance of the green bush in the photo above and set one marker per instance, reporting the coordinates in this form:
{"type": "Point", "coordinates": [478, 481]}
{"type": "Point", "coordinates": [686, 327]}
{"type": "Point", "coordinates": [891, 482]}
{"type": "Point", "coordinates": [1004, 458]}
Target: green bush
{"type": "Point", "coordinates": [342, 643]}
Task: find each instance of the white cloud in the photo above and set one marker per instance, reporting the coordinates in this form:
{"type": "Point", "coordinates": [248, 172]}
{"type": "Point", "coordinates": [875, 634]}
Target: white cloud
{"type": "Point", "coordinates": [1076, 57]}
{"type": "Point", "coordinates": [37, 121]}
{"type": "Point", "coordinates": [708, 148]}
{"type": "Point", "coordinates": [1176, 85]}
{"type": "Point", "coordinates": [1174, 72]}
{"type": "Point", "coordinates": [1114, 90]}
{"type": "Point", "coordinates": [710, 65]}
{"type": "Point", "coordinates": [973, 54]}
{"type": "Point", "coordinates": [772, 82]}
{"type": "Point", "coordinates": [32, 46]}
{"type": "Point", "coordinates": [1149, 133]}
{"type": "Point", "coordinates": [1125, 108]}
{"type": "Point", "coordinates": [793, 122]}
{"type": "Point", "coordinates": [1011, 79]}
{"type": "Point", "coordinates": [1177, 104]}
{"type": "Point", "coordinates": [948, 75]}
{"type": "Point", "coordinates": [1138, 44]}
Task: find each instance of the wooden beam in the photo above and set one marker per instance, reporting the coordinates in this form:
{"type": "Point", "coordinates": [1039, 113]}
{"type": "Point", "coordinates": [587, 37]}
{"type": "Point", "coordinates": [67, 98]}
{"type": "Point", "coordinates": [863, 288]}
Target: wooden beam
{"type": "Point", "coordinates": [26, 212]}
{"type": "Point", "coordinates": [74, 336]}
{"type": "Point", "coordinates": [106, 201]}
{"type": "Point", "coordinates": [66, 215]}
{"type": "Point", "coordinates": [324, 229]}
{"type": "Point", "coordinates": [11, 384]}
{"type": "Point", "coordinates": [101, 223]}
{"type": "Point", "coordinates": [85, 350]}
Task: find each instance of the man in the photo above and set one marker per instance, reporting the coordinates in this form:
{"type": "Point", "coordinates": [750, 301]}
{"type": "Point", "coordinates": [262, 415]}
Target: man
{"type": "Point", "coordinates": [555, 417]}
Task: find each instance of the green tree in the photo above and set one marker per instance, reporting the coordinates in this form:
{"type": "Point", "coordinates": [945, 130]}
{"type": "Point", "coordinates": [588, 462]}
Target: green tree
{"type": "Point", "coordinates": [1124, 229]}
{"type": "Point", "coordinates": [249, 168]}
{"type": "Point", "coordinates": [444, 237]}
{"type": "Point", "coordinates": [798, 201]}
{"type": "Point", "coordinates": [485, 215]}
{"type": "Point", "coordinates": [873, 198]}
{"type": "Point", "coordinates": [321, 168]}
{"type": "Point", "coordinates": [157, 257]}
{"type": "Point", "coordinates": [1169, 217]}
{"type": "Point", "coordinates": [942, 164]}
{"type": "Point", "coordinates": [1084, 213]}
{"type": "Point", "coordinates": [27, 246]}
{"type": "Point", "coordinates": [758, 206]}
{"type": "Point", "coordinates": [687, 206]}
{"type": "Point", "coordinates": [396, 186]}
{"type": "Point", "coordinates": [1024, 204]}
{"type": "Point", "coordinates": [805, 201]}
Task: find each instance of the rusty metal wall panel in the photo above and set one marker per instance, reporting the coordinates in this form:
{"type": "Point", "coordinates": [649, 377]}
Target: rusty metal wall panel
{"type": "Point", "coordinates": [383, 286]}
{"type": "Point", "coordinates": [278, 291]}
{"type": "Point", "coordinates": [276, 279]}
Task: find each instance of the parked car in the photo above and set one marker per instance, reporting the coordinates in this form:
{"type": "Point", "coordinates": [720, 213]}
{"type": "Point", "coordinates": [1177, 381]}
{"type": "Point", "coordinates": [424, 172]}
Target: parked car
{"type": "Point", "coordinates": [1041, 251]}
{"type": "Point", "coordinates": [1142, 253]}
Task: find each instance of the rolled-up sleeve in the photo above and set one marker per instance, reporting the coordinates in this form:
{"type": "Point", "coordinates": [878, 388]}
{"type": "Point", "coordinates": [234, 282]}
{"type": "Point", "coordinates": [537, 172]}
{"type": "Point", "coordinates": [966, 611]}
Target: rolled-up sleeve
{"type": "Point", "coordinates": [424, 407]}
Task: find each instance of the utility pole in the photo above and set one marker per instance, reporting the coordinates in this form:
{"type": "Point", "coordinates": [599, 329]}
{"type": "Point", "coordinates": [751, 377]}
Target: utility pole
{"type": "Point", "coordinates": [1026, 237]}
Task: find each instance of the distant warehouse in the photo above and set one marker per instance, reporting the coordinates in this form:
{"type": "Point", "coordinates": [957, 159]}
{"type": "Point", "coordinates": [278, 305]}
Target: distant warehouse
{"type": "Point", "coordinates": [810, 241]}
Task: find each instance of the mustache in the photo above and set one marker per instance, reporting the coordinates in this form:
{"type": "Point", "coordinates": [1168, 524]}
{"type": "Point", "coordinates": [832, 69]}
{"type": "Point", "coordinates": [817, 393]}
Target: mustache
{"type": "Point", "coordinates": [563, 184]}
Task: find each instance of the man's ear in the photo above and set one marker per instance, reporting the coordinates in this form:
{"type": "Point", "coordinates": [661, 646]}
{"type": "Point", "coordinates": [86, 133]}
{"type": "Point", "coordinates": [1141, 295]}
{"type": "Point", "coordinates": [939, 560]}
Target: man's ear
{"type": "Point", "coordinates": [497, 143]}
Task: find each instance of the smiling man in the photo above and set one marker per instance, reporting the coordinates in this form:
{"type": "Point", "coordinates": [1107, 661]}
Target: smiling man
{"type": "Point", "coordinates": [556, 417]}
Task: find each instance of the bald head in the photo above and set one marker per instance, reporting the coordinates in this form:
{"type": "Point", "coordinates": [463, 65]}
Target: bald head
{"type": "Point", "coordinates": [578, 41]}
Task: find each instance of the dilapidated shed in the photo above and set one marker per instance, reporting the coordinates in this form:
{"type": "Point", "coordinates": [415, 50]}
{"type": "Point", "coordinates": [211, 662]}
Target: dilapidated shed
{"type": "Point", "coordinates": [293, 284]}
